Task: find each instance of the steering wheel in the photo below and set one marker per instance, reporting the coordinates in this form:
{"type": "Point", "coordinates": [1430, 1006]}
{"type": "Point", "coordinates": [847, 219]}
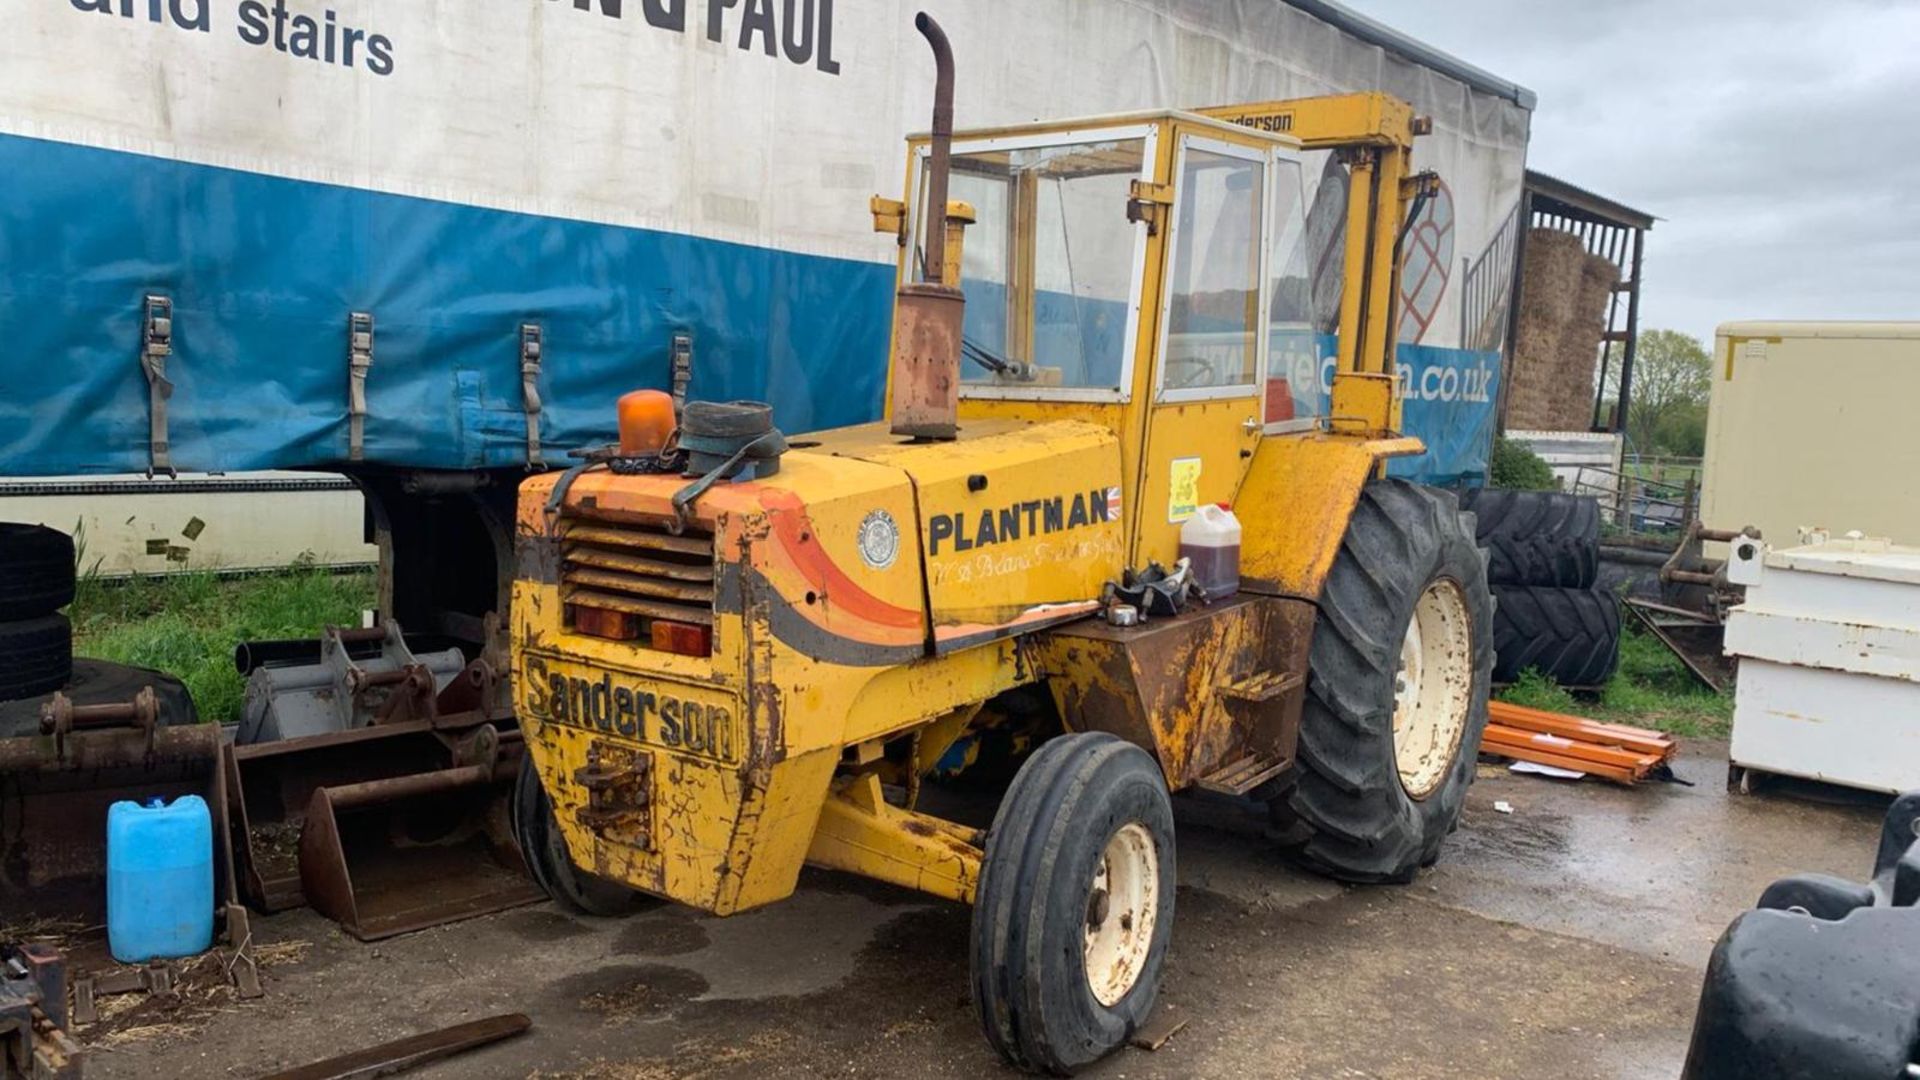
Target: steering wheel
{"type": "Point", "coordinates": [1184, 372]}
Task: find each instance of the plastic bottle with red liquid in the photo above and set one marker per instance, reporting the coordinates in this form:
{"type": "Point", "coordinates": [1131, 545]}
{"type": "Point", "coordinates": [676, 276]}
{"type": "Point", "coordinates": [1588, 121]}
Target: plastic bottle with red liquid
{"type": "Point", "coordinates": [1210, 542]}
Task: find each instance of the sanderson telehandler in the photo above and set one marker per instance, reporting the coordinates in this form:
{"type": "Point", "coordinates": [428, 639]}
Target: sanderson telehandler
{"type": "Point", "coordinates": [743, 655]}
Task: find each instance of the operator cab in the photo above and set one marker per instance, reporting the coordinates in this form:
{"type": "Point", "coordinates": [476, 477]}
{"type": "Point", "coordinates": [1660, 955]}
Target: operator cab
{"type": "Point", "coordinates": [1158, 274]}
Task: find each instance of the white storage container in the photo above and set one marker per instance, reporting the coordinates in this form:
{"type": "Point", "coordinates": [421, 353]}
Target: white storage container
{"type": "Point", "coordinates": [1829, 648]}
{"type": "Point", "coordinates": [1810, 424]}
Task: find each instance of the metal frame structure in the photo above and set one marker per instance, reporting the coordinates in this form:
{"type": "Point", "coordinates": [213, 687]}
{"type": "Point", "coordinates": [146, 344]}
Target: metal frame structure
{"type": "Point", "coordinates": [1611, 230]}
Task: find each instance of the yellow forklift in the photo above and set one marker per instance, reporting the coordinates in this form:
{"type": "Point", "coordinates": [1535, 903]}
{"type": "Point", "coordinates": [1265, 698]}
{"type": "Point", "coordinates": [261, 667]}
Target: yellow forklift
{"type": "Point", "coordinates": [739, 654]}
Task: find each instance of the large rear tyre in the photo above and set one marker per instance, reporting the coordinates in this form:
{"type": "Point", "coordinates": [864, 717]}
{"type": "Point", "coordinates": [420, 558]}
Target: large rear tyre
{"type": "Point", "coordinates": [1074, 908]}
{"type": "Point", "coordinates": [1570, 635]}
{"type": "Point", "coordinates": [1537, 537]}
{"type": "Point", "coordinates": [102, 682]}
{"type": "Point", "coordinates": [548, 862]}
{"type": "Point", "coordinates": [1396, 692]}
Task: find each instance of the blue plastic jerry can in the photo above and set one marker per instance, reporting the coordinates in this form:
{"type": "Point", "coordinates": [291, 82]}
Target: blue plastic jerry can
{"type": "Point", "coordinates": [159, 879]}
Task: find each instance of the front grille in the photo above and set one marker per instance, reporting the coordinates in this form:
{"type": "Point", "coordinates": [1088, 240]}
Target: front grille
{"type": "Point", "coordinates": [642, 571]}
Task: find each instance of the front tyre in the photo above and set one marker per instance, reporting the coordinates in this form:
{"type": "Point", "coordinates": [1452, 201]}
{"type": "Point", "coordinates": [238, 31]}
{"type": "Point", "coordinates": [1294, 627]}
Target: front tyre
{"type": "Point", "coordinates": [549, 863]}
{"type": "Point", "coordinates": [1074, 908]}
{"type": "Point", "coordinates": [1397, 690]}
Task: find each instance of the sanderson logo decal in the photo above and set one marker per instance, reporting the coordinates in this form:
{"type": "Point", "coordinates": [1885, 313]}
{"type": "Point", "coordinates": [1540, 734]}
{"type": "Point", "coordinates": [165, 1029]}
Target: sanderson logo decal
{"type": "Point", "coordinates": [1035, 517]}
{"type": "Point", "coordinates": [635, 709]}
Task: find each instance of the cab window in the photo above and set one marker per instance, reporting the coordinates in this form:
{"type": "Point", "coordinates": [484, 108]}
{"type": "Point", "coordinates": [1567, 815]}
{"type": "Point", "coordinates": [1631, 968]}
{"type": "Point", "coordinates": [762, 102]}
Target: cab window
{"type": "Point", "coordinates": [1047, 267]}
{"type": "Point", "coordinates": [1214, 275]}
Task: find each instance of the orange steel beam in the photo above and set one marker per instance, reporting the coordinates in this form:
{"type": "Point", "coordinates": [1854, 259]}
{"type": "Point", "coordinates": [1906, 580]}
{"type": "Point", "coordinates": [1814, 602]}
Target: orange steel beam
{"type": "Point", "coordinates": [1501, 735]}
{"type": "Point", "coordinates": [1605, 772]}
{"type": "Point", "coordinates": [1574, 727]}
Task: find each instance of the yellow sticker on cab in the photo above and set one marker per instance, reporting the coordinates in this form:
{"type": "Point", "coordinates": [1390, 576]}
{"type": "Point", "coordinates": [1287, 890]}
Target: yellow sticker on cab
{"type": "Point", "coordinates": [674, 716]}
{"type": "Point", "coordinates": [1183, 494]}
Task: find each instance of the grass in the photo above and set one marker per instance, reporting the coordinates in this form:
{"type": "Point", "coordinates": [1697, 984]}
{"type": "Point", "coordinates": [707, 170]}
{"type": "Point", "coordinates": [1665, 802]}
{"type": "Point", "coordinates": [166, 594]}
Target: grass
{"type": "Point", "coordinates": [1651, 689]}
{"type": "Point", "coordinates": [187, 624]}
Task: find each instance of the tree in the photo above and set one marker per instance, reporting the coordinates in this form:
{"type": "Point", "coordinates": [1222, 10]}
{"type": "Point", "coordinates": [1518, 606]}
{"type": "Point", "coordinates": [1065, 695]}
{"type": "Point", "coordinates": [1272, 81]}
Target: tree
{"type": "Point", "coordinates": [1672, 376]}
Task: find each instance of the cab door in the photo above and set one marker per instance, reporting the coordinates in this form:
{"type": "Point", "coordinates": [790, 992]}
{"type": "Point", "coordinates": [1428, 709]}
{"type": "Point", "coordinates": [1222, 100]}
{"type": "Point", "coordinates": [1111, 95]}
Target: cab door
{"type": "Point", "coordinates": [1206, 409]}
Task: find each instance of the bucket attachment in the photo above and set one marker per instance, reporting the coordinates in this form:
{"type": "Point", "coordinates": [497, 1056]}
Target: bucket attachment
{"type": "Point", "coordinates": [383, 857]}
{"type": "Point", "coordinates": [55, 792]}
{"type": "Point", "coordinates": [364, 782]}
{"type": "Point", "coordinates": [349, 678]}
{"type": "Point", "coordinates": [56, 787]}
{"type": "Point", "coordinates": [387, 829]}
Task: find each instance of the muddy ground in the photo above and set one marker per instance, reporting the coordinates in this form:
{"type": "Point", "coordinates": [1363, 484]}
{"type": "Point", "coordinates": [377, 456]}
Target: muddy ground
{"type": "Point", "coordinates": [1565, 939]}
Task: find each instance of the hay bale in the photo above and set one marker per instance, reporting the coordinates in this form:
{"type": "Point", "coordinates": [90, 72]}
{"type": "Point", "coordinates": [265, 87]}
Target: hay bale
{"type": "Point", "coordinates": [1536, 350]}
{"type": "Point", "coordinates": [1549, 293]}
{"type": "Point", "coordinates": [1598, 276]}
{"type": "Point", "coordinates": [1553, 271]}
{"type": "Point", "coordinates": [1563, 303]}
{"type": "Point", "coordinates": [1577, 361]}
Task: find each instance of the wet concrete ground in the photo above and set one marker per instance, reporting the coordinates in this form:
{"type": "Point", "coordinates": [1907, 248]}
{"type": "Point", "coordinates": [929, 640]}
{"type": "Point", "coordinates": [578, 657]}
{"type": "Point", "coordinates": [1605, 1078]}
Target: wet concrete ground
{"type": "Point", "coordinates": [1566, 939]}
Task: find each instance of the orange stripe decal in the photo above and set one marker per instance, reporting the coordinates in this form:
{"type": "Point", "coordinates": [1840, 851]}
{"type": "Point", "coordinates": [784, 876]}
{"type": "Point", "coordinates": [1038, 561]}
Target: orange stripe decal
{"type": "Point", "coordinates": [790, 523]}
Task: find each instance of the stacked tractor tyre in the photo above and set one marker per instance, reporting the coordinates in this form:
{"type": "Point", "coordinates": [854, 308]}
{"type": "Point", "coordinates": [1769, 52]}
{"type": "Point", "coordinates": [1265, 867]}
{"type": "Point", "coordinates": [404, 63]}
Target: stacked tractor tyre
{"type": "Point", "coordinates": [1543, 559]}
{"type": "Point", "coordinates": [36, 581]}
{"type": "Point", "coordinates": [36, 640]}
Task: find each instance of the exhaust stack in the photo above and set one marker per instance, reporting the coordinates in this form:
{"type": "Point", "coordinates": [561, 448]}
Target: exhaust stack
{"type": "Point", "coordinates": [928, 314]}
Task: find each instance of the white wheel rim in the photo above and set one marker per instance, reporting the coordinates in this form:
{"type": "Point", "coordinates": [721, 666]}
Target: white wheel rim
{"type": "Point", "coordinates": [1122, 904]}
{"type": "Point", "coordinates": [1432, 688]}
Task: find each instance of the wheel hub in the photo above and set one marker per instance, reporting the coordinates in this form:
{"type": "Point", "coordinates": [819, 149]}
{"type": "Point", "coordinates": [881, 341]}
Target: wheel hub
{"type": "Point", "coordinates": [1432, 688]}
{"type": "Point", "coordinates": [1121, 908]}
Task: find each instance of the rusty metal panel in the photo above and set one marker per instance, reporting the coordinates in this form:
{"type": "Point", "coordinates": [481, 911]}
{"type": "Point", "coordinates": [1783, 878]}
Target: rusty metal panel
{"type": "Point", "coordinates": [1214, 693]}
{"type": "Point", "coordinates": [926, 361]}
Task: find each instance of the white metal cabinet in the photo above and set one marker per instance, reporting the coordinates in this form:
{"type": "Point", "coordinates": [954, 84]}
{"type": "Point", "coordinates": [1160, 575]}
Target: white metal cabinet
{"type": "Point", "coordinates": [1829, 647]}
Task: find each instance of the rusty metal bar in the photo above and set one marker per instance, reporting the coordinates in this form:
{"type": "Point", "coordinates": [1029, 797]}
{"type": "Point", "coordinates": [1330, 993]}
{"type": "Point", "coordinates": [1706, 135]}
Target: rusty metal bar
{"type": "Point", "coordinates": [112, 750]}
{"type": "Point", "coordinates": [634, 605]}
{"type": "Point", "coordinates": [640, 564]}
{"type": "Point", "coordinates": [413, 1051]}
{"type": "Point", "coordinates": [596, 534]}
{"type": "Point", "coordinates": [360, 678]}
{"type": "Point", "coordinates": [440, 782]}
{"type": "Point", "coordinates": [61, 714]}
{"type": "Point", "coordinates": [638, 585]}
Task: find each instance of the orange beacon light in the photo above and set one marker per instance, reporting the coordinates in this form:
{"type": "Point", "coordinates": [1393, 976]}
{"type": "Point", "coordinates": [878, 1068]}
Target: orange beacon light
{"type": "Point", "coordinates": [646, 422]}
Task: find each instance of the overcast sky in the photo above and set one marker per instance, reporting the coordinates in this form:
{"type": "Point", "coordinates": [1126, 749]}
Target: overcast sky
{"type": "Point", "coordinates": [1777, 140]}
